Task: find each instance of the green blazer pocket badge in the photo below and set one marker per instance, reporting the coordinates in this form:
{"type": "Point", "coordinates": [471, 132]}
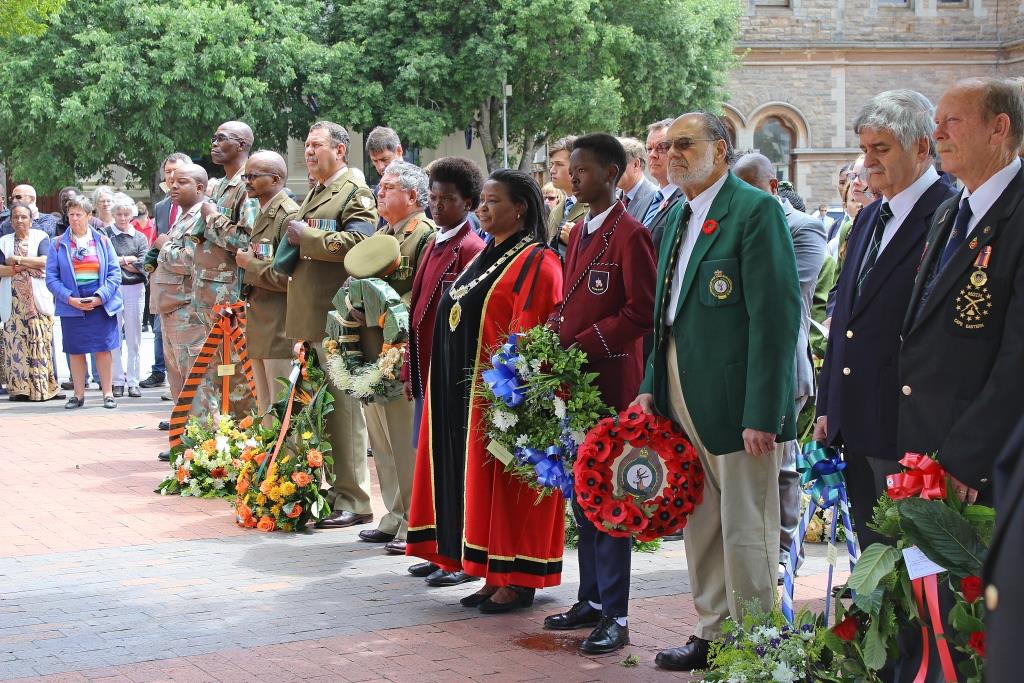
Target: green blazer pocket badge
{"type": "Point", "coordinates": [719, 282]}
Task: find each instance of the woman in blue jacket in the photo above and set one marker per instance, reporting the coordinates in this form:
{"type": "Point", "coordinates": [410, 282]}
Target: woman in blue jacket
{"type": "Point", "coordinates": [83, 275]}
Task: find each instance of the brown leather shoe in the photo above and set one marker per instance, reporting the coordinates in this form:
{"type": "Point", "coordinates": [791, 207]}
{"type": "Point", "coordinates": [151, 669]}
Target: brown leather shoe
{"type": "Point", "coordinates": [396, 547]}
{"type": "Point", "coordinates": [342, 519]}
{"type": "Point", "coordinates": [375, 536]}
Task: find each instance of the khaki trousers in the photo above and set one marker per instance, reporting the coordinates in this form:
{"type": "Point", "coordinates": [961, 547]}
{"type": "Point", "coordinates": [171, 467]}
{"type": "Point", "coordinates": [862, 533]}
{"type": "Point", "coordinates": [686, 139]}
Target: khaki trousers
{"type": "Point", "coordinates": [183, 336]}
{"type": "Point", "coordinates": [389, 426]}
{"type": "Point", "coordinates": [732, 537]}
{"type": "Point", "coordinates": [347, 431]}
{"type": "Point", "coordinates": [265, 372]}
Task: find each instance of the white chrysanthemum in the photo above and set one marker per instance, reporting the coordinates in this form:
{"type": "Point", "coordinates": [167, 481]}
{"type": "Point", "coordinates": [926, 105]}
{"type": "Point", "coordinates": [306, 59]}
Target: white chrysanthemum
{"type": "Point", "coordinates": [578, 436]}
{"type": "Point", "coordinates": [223, 443]}
{"type": "Point", "coordinates": [218, 484]}
{"type": "Point", "coordinates": [559, 408]}
{"type": "Point", "coordinates": [783, 674]}
{"type": "Point", "coordinates": [522, 441]}
{"type": "Point", "coordinates": [504, 420]}
{"type": "Point", "coordinates": [536, 364]}
{"type": "Point", "coordinates": [522, 367]}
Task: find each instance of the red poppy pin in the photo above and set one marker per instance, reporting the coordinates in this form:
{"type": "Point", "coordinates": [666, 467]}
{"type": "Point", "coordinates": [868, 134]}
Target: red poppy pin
{"type": "Point", "coordinates": [709, 226]}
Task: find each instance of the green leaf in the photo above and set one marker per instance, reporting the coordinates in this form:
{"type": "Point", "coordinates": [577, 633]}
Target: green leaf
{"type": "Point", "coordinates": [870, 602]}
{"type": "Point", "coordinates": [874, 563]}
{"type": "Point", "coordinates": [874, 647]}
{"type": "Point", "coordinates": [943, 535]}
{"type": "Point", "coordinates": [963, 621]}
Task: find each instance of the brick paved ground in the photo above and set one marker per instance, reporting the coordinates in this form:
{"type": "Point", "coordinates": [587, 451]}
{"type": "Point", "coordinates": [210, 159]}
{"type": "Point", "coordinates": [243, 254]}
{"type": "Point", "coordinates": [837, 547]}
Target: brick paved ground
{"type": "Point", "coordinates": [103, 580]}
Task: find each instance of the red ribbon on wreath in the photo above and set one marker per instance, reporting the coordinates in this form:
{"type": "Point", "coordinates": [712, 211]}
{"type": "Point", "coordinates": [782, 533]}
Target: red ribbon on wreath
{"type": "Point", "coordinates": [627, 515]}
{"type": "Point", "coordinates": [925, 477]}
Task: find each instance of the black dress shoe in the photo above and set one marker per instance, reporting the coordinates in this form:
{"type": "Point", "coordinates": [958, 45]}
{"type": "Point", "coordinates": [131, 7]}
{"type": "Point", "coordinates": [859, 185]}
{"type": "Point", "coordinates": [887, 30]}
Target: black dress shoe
{"type": "Point", "coordinates": [579, 615]}
{"type": "Point", "coordinates": [693, 655]}
{"type": "Point", "coordinates": [164, 456]}
{"type": "Point", "coordinates": [342, 519]}
{"type": "Point", "coordinates": [442, 579]}
{"type": "Point", "coordinates": [524, 598]}
{"type": "Point", "coordinates": [67, 385]}
{"type": "Point", "coordinates": [164, 426]}
{"type": "Point", "coordinates": [374, 536]}
{"type": "Point", "coordinates": [478, 598]}
{"type": "Point", "coordinates": [155, 379]}
{"type": "Point", "coordinates": [607, 637]}
{"type": "Point", "coordinates": [395, 547]}
{"type": "Point", "coordinates": [423, 569]}
{"type": "Point", "coordinates": [118, 391]}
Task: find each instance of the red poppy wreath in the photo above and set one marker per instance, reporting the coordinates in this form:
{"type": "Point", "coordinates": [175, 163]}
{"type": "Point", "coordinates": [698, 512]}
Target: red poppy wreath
{"type": "Point", "coordinates": [651, 490]}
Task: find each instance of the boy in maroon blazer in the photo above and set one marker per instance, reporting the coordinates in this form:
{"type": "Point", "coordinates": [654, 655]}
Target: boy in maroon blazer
{"type": "Point", "coordinates": [607, 308]}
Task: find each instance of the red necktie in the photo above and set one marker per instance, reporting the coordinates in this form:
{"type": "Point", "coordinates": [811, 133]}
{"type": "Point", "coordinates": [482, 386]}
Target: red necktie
{"type": "Point", "coordinates": [173, 218]}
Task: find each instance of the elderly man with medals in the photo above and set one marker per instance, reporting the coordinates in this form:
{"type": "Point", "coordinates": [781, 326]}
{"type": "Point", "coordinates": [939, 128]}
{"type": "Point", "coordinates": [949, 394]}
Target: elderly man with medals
{"type": "Point", "coordinates": [338, 213]}
{"type": "Point", "coordinates": [393, 254]}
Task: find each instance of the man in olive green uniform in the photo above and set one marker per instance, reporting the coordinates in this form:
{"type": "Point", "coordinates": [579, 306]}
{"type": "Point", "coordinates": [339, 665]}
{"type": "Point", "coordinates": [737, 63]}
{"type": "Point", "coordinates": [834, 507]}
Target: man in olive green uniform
{"type": "Point", "coordinates": [224, 229]}
{"type": "Point", "coordinates": [269, 347]}
{"type": "Point", "coordinates": [401, 196]}
{"type": "Point", "coordinates": [344, 212]}
{"type": "Point", "coordinates": [171, 289]}
{"type": "Point", "coordinates": [565, 213]}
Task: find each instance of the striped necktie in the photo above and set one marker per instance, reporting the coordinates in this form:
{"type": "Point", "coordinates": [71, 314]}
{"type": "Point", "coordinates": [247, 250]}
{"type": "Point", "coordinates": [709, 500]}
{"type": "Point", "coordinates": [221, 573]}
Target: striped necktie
{"type": "Point", "coordinates": [871, 257]}
{"type": "Point", "coordinates": [653, 209]}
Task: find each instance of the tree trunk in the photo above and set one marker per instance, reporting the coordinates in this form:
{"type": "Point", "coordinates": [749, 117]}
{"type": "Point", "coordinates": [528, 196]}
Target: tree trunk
{"type": "Point", "coordinates": [491, 147]}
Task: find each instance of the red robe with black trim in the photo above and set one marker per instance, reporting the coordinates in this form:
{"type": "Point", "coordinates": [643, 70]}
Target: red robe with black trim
{"type": "Point", "coordinates": [608, 302]}
{"type": "Point", "coordinates": [467, 512]}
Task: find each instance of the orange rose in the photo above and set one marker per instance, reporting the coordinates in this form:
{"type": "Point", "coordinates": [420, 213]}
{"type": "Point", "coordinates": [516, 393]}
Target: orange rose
{"type": "Point", "coordinates": [246, 422]}
{"type": "Point", "coordinates": [259, 458]}
{"type": "Point", "coordinates": [296, 511]}
{"type": "Point", "coordinates": [243, 510]}
{"type": "Point", "coordinates": [266, 524]}
{"type": "Point", "coordinates": [301, 478]}
{"type": "Point", "coordinates": [189, 454]}
{"type": "Point", "coordinates": [246, 454]}
{"type": "Point", "coordinates": [182, 474]}
{"type": "Point", "coordinates": [243, 485]}
{"type": "Point", "coordinates": [315, 458]}
{"type": "Point", "coordinates": [249, 522]}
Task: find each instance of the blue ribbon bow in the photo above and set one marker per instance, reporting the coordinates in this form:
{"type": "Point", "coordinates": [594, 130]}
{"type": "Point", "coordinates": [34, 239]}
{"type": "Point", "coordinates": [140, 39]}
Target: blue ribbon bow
{"type": "Point", "coordinates": [823, 468]}
{"type": "Point", "coordinates": [549, 466]}
{"type": "Point", "coordinates": [503, 379]}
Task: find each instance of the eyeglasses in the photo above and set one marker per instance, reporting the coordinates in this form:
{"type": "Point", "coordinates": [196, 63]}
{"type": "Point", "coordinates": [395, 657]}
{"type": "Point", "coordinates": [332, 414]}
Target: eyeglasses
{"type": "Point", "coordinates": [551, 199]}
{"type": "Point", "coordinates": [679, 144]}
{"type": "Point", "coordinates": [221, 137]}
{"type": "Point", "coordinates": [252, 176]}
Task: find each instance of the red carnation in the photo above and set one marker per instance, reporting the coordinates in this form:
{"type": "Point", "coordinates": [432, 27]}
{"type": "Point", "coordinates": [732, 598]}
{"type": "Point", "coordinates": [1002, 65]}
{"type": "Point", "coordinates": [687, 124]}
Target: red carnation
{"type": "Point", "coordinates": [970, 586]}
{"type": "Point", "coordinates": [218, 473]}
{"type": "Point", "coordinates": [847, 629]}
{"type": "Point", "coordinates": [977, 642]}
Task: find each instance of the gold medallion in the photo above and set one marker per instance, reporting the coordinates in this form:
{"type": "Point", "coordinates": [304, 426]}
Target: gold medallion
{"type": "Point", "coordinates": [720, 286]}
{"type": "Point", "coordinates": [455, 316]}
{"type": "Point", "coordinates": [979, 278]}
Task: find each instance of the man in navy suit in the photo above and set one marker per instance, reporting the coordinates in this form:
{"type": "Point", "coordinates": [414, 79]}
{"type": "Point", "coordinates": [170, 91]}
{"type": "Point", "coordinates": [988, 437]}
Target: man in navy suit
{"type": "Point", "coordinates": [962, 358]}
{"type": "Point", "coordinates": [635, 190]}
{"type": "Point", "coordinates": [859, 392]}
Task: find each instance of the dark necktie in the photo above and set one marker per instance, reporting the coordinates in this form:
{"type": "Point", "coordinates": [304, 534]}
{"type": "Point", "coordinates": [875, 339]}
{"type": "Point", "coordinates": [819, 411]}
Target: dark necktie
{"type": "Point", "coordinates": [652, 210]}
{"type": "Point", "coordinates": [884, 214]}
{"type": "Point", "coordinates": [958, 235]}
{"type": "Point", "coordinates": [625, 200]}
{"type": "Point", "coordinates": [673, 257]}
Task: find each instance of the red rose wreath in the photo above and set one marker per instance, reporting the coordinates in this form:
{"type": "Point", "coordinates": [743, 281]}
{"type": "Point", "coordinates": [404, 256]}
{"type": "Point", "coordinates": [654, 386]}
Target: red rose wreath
{"type": "Point", "coordinates": [628, 515]}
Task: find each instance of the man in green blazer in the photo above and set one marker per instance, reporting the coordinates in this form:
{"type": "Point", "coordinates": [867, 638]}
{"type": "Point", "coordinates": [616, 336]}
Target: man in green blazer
{"type": "Point", "coordinates": [338, 213]}
{"type": "Point", "coordinates": [727, 315]}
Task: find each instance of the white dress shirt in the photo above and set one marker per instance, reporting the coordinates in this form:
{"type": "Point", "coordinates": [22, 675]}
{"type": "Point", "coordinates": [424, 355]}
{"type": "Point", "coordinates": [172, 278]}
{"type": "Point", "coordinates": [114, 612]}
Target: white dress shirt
{"type": "Point", "coordinates": [985, 196]}
{"type": "Point", "coordinates": [445, 235]}
{"type": "Point", "coordinates": [593, 224]}
{"type": "Point", "coordinates": [699, 207]}
{"type": "Point", "coordinates": [903, 203]}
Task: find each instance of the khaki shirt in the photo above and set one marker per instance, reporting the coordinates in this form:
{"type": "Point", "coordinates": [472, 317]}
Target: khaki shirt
{"type": "Point", "coordinates": [320, 271]}
{"type": "Point", "coordinates": [268, 298]}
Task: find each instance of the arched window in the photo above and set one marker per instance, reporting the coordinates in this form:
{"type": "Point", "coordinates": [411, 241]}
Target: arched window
{"type": "Point", "coordinates": [775, 138]}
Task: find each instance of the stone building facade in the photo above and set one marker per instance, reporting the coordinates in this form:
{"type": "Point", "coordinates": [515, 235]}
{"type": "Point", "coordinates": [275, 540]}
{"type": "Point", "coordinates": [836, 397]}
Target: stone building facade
{"type": "Point", "coordinates": [807, 66]}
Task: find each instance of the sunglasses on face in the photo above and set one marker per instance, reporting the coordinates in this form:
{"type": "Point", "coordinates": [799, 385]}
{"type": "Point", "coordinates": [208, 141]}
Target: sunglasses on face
{"type": "Point", "coordinates": [679, 144]}
{"type": "Point", "coordinates": [221, 137]}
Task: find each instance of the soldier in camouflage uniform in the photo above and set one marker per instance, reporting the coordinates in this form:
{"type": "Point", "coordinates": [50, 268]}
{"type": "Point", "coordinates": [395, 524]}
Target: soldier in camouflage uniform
{"type": "Point", "coordinates": [401, 197]}
{"type": "Point", "coordinates": [344, 212]}
{"type": "Point", "coordinates": [171, 289]}
{"type": "Point", "coordinates": [224, 229]}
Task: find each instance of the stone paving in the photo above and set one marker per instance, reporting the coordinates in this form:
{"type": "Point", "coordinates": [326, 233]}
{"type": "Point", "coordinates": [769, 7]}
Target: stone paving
{"type": "Point", "coordinates": [103, 580]}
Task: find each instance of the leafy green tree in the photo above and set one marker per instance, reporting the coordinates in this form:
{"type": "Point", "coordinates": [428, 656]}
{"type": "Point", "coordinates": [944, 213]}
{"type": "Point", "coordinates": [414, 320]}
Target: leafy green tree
{"type": "Point", "coordinates": [574, 65]}
{"type": "Point", "coordinates": [127, 81]}
{"type": "Point", "coordinates": [26, 17]}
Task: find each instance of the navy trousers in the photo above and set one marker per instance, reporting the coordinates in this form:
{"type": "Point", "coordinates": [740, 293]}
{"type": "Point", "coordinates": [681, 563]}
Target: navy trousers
{"type": "Point", "coordinates": [604, 567]}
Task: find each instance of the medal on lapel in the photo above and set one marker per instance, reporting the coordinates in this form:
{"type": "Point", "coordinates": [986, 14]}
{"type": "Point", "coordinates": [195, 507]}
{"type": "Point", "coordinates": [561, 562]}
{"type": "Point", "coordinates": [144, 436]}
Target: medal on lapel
{"type": "Point", "coordinates": [974, 302]}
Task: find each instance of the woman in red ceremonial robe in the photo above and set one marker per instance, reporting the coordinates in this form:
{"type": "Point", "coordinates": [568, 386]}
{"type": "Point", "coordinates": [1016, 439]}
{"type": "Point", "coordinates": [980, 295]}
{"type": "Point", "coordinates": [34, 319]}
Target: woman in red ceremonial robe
{"type": "Point", "coordinates": [467, 513]}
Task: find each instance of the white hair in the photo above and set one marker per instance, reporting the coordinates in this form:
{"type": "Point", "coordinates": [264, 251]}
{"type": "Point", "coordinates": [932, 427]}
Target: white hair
{"type": "Point", "coordinates": [907, 114]}
{"type": "Point", "coordinates": [410, 177]}
{"type": "Point", "coordinates": [123, 201]}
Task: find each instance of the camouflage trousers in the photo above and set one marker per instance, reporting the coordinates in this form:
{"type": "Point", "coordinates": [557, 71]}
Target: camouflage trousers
{"type": "Point", "coordinates": [183, 337]}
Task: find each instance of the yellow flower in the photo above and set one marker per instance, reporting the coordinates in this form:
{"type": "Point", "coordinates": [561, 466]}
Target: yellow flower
{"type": "Point", "coordinates": [261, 499]}
{"type": "Point", "coordinates": [276, 510]}
{"type": "Point", "coordinates": [306, 436]}
{"type": "Point", "coordinates": [287, 488]}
